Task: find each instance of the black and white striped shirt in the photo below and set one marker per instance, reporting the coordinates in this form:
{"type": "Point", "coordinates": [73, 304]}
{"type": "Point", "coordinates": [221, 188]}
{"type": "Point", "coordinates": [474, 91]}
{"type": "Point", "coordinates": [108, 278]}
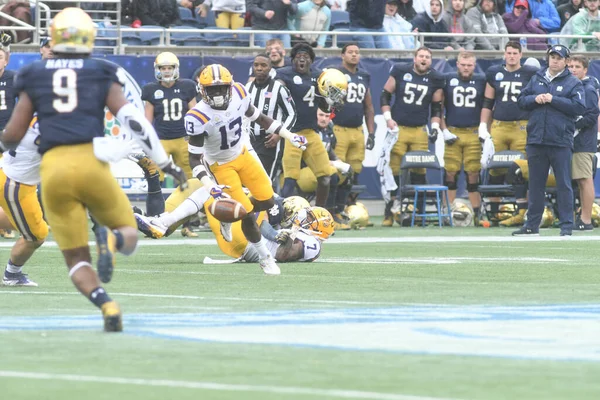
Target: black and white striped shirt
{"type": "Point", "coordinates": [274, 100]}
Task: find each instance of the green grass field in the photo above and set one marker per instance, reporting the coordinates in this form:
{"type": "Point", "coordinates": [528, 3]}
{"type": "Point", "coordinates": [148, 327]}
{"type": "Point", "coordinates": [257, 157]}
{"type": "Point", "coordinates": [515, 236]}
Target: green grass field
{"type": "Point", "coordinates": [399, 314]}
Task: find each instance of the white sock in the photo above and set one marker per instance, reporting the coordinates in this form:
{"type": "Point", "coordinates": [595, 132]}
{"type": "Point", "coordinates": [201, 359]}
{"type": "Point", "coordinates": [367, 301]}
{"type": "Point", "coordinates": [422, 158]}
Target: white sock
{"type": "Point", "coordinates": [190, 206]}
{"type": "Point", "coordinates": [261, 248]}
{"type": "Point", "coordinates": [12, 268]}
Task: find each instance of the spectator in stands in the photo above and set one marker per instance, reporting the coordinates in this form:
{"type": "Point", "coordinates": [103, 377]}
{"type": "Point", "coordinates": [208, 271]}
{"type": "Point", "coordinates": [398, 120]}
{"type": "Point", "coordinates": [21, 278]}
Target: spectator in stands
{"type": "Point", "coordinates": [542, 10]}
{"type": "Point", "coordinates": [431, 21]}
{"type": "Point", "coordinates": [406, 10]}
{"type": "Point", "coordinates": [312, 15]}
{"type": "Point", "coordinates": [393, 22]}
{"type": "Point", "coordinates": [158, 12]}
{"type": "Point", "coordinates": [485, 19]}
{"type": "Point", "coordinates": [456, 21]}
{"type": "Point", "coordinates": [519, 21]}
{"type": "Point", "coordinates": [229, 14]}
{"type": "Point", "coordinates": [367, 16]}
{"type": "Point", "coordinates": [421, 6]}
{"type": "Point", "coordinates": [271, 15]}
{"type": "Point", "coordinates": [337, 4]}
{"type": "Point", "coordinates": [567, 10]}
{"type": "Point", "coordinates": [585, 22]}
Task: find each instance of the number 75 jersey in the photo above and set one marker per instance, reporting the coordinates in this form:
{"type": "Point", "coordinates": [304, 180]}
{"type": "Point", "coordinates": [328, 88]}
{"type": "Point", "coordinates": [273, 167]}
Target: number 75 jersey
{"type": "Point", "coordinates": [224, 136]}
{"type": "Point", "coordinates": [508, 86]}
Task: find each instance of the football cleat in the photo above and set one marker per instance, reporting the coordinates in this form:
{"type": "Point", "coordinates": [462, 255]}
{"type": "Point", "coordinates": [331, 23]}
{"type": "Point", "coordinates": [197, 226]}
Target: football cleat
{"type": "Point", "coordinates": [269, 266]}
{"type": "Point", "coordinates": [388, 221]}
{"type": "Point", "coordinates": [226, 231]}
{"type": "Point", "coordinates": [106, 244]}
{"type": "Point", "coordinates": [7, 234]}
{"type": "Point", "coordinates": [150, 226]}
{"type": "Point", "coordinates": [525, 231]}
{"type": "Point", "coordinates": [146, 163]}
{"type": "Point", "coordinates": [187, 232]}
{"type": "Point", "coordinates": [17, 279]}
{"type": "Point", "coordinates": [112, 317]}
{"type": "Point", "coordinates": [583, 227]}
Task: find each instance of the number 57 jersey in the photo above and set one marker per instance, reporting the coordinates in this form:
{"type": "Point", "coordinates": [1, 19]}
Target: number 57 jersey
{"type": "Point", "coordinates": [224, 138]}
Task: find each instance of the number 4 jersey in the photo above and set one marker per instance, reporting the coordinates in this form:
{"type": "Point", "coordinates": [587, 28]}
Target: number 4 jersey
{"type": "Point", "coordinates": [413, 94]}
{"type": "Point", "coordinates": [224, 139]}
{"type": "Point", "coordinates": [69, 96]}
{"type": "Point", "coordinates": [508, 86]}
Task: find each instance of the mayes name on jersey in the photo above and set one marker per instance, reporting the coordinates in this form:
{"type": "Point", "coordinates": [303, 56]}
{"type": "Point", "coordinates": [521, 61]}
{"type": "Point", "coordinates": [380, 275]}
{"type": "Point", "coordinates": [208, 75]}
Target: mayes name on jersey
{"type": "Point", "coordinates": [224, 138]}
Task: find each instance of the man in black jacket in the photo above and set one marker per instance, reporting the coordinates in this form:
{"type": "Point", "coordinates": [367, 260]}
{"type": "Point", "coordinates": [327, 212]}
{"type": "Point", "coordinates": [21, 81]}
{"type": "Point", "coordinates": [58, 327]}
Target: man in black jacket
{"type": "Point", "coordinates": [555, 99]}
{"type": "Point", "coordinates": [271, 15]}
{"type": "Point", "coordinates": [367, 16]}
{"type": "Point", "coordinates": [158, 12]}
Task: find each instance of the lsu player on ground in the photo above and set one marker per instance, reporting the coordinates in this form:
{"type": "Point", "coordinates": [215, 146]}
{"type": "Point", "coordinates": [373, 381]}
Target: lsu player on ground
{"type": "Point", "coordinates": [358, 105]}
{"type": "Point", "coordinates": [463, 99]}
{"type": "Point", "coordinates": [509, 123]}
{"type": "Point", "coordinates": [20, 176]}
{"type": "Point", "coordinates": [220, 147]}
{"type": "Point", "coordinates": [301, 80]}
{"type": "Point", "coordinates": [69, 93]}
{"type": "Point", "coordinates": [417, 88]}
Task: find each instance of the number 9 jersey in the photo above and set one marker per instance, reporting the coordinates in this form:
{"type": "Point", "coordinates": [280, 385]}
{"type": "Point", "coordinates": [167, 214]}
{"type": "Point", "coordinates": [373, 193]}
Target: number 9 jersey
{"type": "Point", "coordinates": [224, 138]}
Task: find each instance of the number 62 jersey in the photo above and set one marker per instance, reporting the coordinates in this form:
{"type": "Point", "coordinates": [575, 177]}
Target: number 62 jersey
{"type": "Point", "coordinates": [224, 138]}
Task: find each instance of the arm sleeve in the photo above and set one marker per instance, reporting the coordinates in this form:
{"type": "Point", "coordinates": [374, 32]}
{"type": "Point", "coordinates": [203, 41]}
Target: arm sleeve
{"type": "Point", "coordinates": [286, 102]}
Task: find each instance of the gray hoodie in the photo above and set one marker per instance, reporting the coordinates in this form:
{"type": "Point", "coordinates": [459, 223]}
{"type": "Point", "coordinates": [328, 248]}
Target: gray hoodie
{"type": "Point", "coordinates": [487, 23]}
{"type": "Point", "coordinates": [459, 24]}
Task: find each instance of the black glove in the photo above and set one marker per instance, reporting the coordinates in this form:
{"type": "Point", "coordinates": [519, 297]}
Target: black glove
{"type": "Point", "coordinates": [433, 134]}
{"type": "Point", "coordinates": [370, 141]}
{"type": "Point", "coordinates": [5, 40]}
{"type": "Point", "coordinates": [178, 175]}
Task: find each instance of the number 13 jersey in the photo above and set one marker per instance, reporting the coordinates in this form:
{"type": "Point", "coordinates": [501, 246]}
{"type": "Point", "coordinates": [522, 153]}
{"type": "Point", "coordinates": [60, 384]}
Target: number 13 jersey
{"type": "Point", "coordinates": [224, 137]}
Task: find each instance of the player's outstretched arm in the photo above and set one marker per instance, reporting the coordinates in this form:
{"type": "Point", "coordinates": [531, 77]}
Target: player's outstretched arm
{"type": "Point", "coordinates": [272, 126]}
{"type": "Point", "coordinates": [18, 124]}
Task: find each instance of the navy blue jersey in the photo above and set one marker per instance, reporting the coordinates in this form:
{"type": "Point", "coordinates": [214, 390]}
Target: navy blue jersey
{"type": "Point", "coordinates": [8, 96]}
{"type": "Point", "coordinates": [303, 89]}
{"type": "Point", "coordinates": [587, 125]}
{"type": "Point", "coordinates": [351, 115]}
{"type": "Point", "coordinates": [508, 85]}
{"type": "Point", "coordinates": [413, 94]}
{"type": "Point", "coordinates": [69, 96]}
{"type": "Point", "coordinates": [276, 212]}
{"type": "Point", "coordinates": [463, 100]}
{"type": "Point", "coordinates": [170, 106]}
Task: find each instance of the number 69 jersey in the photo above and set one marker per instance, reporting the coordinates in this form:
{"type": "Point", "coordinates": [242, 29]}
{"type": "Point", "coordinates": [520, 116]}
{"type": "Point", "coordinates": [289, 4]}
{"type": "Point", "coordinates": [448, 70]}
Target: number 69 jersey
{"type": "Point", "coordinates": [413, 94]}
{"type": "Point", "coordinates": [224, 138]}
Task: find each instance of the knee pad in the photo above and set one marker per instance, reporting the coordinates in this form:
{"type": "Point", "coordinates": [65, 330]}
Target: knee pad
{"type": "Point", "coordinates": [452, 185]}
{"type": "Point", "coordinates": [324, 180]}
{"type": "Point", "coordinates": [418, 179]}
{"type": "Point", "coordinates": [472, 187]}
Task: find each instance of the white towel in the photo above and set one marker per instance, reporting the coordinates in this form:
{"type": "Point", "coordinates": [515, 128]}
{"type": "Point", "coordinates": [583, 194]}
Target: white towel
{"type": "Point", "coordinates": [487, 152]}
{"type": "Point", "coordinates": [386, 177]}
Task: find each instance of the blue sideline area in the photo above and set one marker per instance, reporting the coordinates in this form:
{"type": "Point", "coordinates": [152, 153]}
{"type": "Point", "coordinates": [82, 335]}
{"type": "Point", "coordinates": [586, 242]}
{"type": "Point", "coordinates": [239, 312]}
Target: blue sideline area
{"type": "Point", "coordinates": [141, 67]}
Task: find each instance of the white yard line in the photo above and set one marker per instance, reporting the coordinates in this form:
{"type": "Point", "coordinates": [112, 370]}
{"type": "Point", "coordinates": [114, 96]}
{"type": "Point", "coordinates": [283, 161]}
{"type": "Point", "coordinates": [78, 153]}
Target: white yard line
{"type": "Point", "coordinates": [222, 387]}
{"type": "Point", "coordinates": [439, 240]}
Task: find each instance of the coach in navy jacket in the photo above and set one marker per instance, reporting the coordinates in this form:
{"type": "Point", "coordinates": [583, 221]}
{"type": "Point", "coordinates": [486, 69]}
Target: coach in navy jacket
{"type": "Point", "coordinates": [555, 98]}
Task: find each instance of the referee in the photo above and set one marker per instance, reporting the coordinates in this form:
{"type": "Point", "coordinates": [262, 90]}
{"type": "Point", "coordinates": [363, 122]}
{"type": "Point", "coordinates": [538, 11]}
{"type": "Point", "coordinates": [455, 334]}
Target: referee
{"type": "Point", "coordinates": [275, 101]}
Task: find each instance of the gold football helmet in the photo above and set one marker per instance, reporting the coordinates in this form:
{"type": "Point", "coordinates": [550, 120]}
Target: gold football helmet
{"type": "Point", "coordinates": [547, 218]}
{"type": "Point", "coordinates": [358, 215]}
{"type": "Point", "coordinates": [291, 205]}
{"type": "Point", "coordinates": [595, 215]}
{"type": "Point", "coordinates": [506, 211]}
{"type": "Point", "coordinates": [315, 220]}
{"type": "Point", "coordinates": [72, 31]}
{"type": "Point", "coordinates": [462, 215]}
{"type": "Point", "coordinates": [166, 59]}
{"type": "Point", "coordinates": [333, 85]}
{"type": "Point", "coordinates": [215, 86]}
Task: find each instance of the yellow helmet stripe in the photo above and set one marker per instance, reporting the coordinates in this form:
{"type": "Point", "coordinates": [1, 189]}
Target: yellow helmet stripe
{"type": "Point", "coordinates": [33, 121]}
{"type": "Point", "coordinates": [216, 72]}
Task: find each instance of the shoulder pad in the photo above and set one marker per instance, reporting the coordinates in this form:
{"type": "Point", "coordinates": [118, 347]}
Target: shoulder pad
{"type": "Point", "coordinates": [240, 89]}
{"type": "Point", "coordinates": [198, 115]}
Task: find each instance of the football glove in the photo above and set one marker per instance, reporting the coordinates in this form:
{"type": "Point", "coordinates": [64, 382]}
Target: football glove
{"type": "Point", "coordinates": [283, 236]}
{"type": "Point", "coordinates": [449, 137]}
{"type": "Point", "coordinates": [217, 191]}
{"type": "Point", "coordinates": [178, 175]}
{"type": "Point", "coordinates": [5, 40]}
{"type": "Point", "coordinates": [483, 132]}
{"type": "Point", "coordinates": [434, 132]}
{"type": "Point", "coordinates": [370, 141]}
{"type": "Point", "coordinates": [299, 142]}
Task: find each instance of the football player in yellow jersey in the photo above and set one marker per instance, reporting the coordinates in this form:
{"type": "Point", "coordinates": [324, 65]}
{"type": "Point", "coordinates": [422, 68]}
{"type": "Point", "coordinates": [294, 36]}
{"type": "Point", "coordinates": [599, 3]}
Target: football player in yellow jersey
{"type": "Point", "coordinates": [284, 245]}
{"type": "Point", "coordinates": [220, 147]}
{"type": "Point", "coordinates": [69, 93]}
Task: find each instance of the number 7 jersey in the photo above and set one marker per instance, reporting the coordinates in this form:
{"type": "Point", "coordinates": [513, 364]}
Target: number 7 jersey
{"type": "Point", "coordinates": [224, 136]}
